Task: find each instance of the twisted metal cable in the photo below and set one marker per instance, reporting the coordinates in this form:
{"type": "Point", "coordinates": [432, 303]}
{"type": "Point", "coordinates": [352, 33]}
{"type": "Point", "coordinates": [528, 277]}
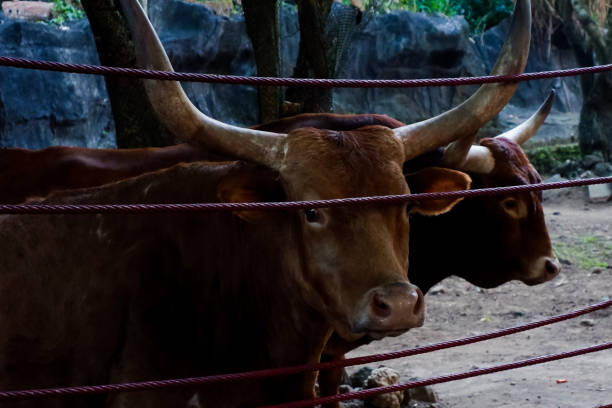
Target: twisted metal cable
{"type": "Point", "coordinates": [340, 202]}
{"type": "Point", "coordinates": [311, 82]}
{"type": "Point", "coordinates": [442, 379]}
{"type": "Point", "coordinates": [150, 385]}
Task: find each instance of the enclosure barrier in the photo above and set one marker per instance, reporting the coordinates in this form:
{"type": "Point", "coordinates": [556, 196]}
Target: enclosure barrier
{"type": "Point", "coordinates": [183, 382]}
{"type": "Point", "coordinates": [442, 379]}
{"type": "Point", "coordinates": [285, 205]}
{"type": "Point", "coordinates": [310, 82]}
{"type": "Point", "coordinates": [344, 83]}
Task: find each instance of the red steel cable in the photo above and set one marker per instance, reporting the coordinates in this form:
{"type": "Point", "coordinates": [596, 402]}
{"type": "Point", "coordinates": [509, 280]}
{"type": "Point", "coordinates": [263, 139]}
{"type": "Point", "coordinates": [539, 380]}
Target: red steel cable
{"type": "Point", "coordinates": [340, 202]}
{"type": "Point", "coordinates": [150, 385]}
{"type": "Point", "coordinates": [442, 379]}
{"type": "Point", "coordinates": [311, 82]}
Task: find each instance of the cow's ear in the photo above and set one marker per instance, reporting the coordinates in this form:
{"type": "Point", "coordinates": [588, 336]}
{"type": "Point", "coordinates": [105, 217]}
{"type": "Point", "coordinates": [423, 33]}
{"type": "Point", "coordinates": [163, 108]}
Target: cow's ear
{"type": "Point", "coordinates": [436, 179]}
{"type": "Point", "coordinates": [251, 186]}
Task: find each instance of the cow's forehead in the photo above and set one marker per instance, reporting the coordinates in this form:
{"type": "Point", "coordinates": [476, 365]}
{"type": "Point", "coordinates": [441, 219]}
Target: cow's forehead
{"type": "Point", "coordinates": [332, 164]}
{"type": "Point", "coordinates": [511, 164]}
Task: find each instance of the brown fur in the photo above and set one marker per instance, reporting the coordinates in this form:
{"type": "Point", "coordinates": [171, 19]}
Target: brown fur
{"type": "Point", "coordinates": [432, 236]}
{"type": "Point", "coordinates": [36, 173]}
{"type": "Point", "coordinates": [96, 299]}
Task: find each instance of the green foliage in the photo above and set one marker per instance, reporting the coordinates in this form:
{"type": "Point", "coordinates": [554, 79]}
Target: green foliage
{"type": "Point", "coordinates": [546, 158]}
{"type": "Point", "coordinates": [480, 14]}
{"type": "Point", "coordinates": [483, 14]}
{"type": "Point", "coordinates": [588, 252]}
{"type": "Point", "coordinates": [223, 7]}
{"type": "Point", "coordinates": [428, 6]}
{"type": "Point", "coordinates": [66, 10]}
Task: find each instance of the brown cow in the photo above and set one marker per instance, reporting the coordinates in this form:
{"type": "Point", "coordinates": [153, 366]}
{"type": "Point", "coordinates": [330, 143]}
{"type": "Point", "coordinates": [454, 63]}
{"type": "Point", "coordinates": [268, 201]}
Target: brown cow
{"type": "Point", "coordinates": [90, 299]}
{"type": "Point", "coordinates": [506, 233]}
{"type": "Point", "coordinates": [94, 299]}
{"type": "Point", "coordinates": [466, 125]}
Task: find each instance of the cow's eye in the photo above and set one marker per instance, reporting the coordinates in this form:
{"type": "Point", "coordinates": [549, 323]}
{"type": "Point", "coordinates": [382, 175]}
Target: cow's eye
{"type": "Point", "coordinates": [312, 215]}
{"type": "Point", "coordinates": [509, 204]}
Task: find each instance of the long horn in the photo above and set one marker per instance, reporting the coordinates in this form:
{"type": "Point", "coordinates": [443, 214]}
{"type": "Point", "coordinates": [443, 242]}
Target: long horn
{"type": "Point", "coordinates": [181, 117]}
{"type": "Point", "coordinates": [525, 130]}
{"type": "Point", "coordinates": [480, 159]}
{"type": "Point", "coordinates": [464, 120]}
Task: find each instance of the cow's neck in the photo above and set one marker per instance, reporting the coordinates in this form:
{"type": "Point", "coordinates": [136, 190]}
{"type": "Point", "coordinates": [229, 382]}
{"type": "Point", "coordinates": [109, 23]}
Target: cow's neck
{"type": "Point", "coordinates": [457, 237]}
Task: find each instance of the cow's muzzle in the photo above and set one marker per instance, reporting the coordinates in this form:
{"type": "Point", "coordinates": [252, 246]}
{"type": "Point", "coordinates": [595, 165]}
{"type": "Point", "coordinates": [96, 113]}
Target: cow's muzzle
{"type": "Point", "coordinates": [390, 310]}
{"type": "Point", "coordinates": [545, 269]}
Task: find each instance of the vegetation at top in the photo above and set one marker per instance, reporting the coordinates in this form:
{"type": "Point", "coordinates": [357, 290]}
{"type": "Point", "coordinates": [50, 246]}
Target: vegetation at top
{"type": "Point", "coordinates": [66, 10]}
{"type": "Point", "coordinates": [480, 14]}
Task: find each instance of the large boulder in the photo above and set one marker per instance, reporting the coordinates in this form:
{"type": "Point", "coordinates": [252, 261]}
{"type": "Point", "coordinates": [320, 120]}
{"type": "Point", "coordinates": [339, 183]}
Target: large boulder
{"type": "Point", "coordinates": [405, 45]}
{"type": "Point", "coordinates": [198, 40]}
{"type": "Point", "coordinates": [42, 108]}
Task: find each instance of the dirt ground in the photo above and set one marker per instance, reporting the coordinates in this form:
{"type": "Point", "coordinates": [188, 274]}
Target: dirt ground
{"type": "Point", "coordinates": [582, 236]}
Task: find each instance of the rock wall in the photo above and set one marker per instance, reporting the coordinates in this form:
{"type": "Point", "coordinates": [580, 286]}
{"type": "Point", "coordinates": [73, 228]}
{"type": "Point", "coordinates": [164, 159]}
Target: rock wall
{"type": "Point", "coordinates": [404, 45]}
{"type": "Point", "coordinates": [39, 108]}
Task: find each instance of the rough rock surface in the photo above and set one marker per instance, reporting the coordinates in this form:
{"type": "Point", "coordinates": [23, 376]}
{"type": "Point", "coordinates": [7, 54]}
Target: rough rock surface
{"type": "Point", "coordinates": [404, 45]}
{"type": "Point", "coordinates": [39, 108]}
{"type": "Point", "coordinates": [381, 377]}
{"type": "Point", "coordinates": [27, 10]}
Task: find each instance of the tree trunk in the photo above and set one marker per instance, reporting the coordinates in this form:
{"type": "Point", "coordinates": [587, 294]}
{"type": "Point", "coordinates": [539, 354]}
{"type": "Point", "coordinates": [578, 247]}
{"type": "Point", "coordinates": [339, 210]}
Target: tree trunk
{"type": "Point", "coordinates": [263, 27]}
{"type": "Point", "coordinates": [324, 37]}
{"type": "Point", "coordinates": [313, 58]}
{"type": "Point", "coordinates": [136, 123]}
{"type": "Point", "coordinates": [591, 46]}
{"type": "Point", "coordinates": [596, 119]}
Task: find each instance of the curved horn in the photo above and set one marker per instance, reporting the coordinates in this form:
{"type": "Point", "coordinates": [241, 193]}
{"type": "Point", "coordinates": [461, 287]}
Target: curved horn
{"type": "Point", "coordinates": [177, 112]}
{"type": "Point", "coordinates": [480, 160]}
{"type": "Point", "coordinates": [464, 120]}
{"type": "Point", "coordinates": [525, 130]}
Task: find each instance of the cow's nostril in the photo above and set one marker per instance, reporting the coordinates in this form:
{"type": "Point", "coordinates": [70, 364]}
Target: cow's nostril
{"type": "Point", "coordinates": [551, 267]}
{"type": "Point", "coordinates": [380, 307]}
{"type": "Point", "coordinates": [420, 303]}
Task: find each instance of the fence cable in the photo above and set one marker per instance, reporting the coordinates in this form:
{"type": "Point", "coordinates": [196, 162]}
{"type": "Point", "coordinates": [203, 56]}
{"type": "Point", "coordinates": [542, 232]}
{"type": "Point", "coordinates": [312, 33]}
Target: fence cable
{"type": "Point", "coordinates": [310, 82]}
{"type": "Point", "coordinates": [159, 384]}
{"type": "Point", "coordinates": [442, 379]}
{"type": "Point", "coordinates": [285, 205]}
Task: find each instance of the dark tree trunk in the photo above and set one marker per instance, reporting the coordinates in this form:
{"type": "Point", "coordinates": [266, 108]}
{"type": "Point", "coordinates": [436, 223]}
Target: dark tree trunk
{"type": "Point", "coordinates": [323, 38]}
{"type": "Point", "coordinates": [262, 22]}
{"type": "Point", "coordinates": [591, 46]}
{"type": "Point", "coordinates": [596, 118]}
{"type": "Point", "coordinates": [313, 59]}
{"type": "Point", "coordinates": [136, 123]}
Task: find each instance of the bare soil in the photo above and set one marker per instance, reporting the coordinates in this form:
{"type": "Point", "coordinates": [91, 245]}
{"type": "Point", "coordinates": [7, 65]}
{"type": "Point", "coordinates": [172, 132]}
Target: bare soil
{"type": "Point", "coordinates": [582, 235]}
